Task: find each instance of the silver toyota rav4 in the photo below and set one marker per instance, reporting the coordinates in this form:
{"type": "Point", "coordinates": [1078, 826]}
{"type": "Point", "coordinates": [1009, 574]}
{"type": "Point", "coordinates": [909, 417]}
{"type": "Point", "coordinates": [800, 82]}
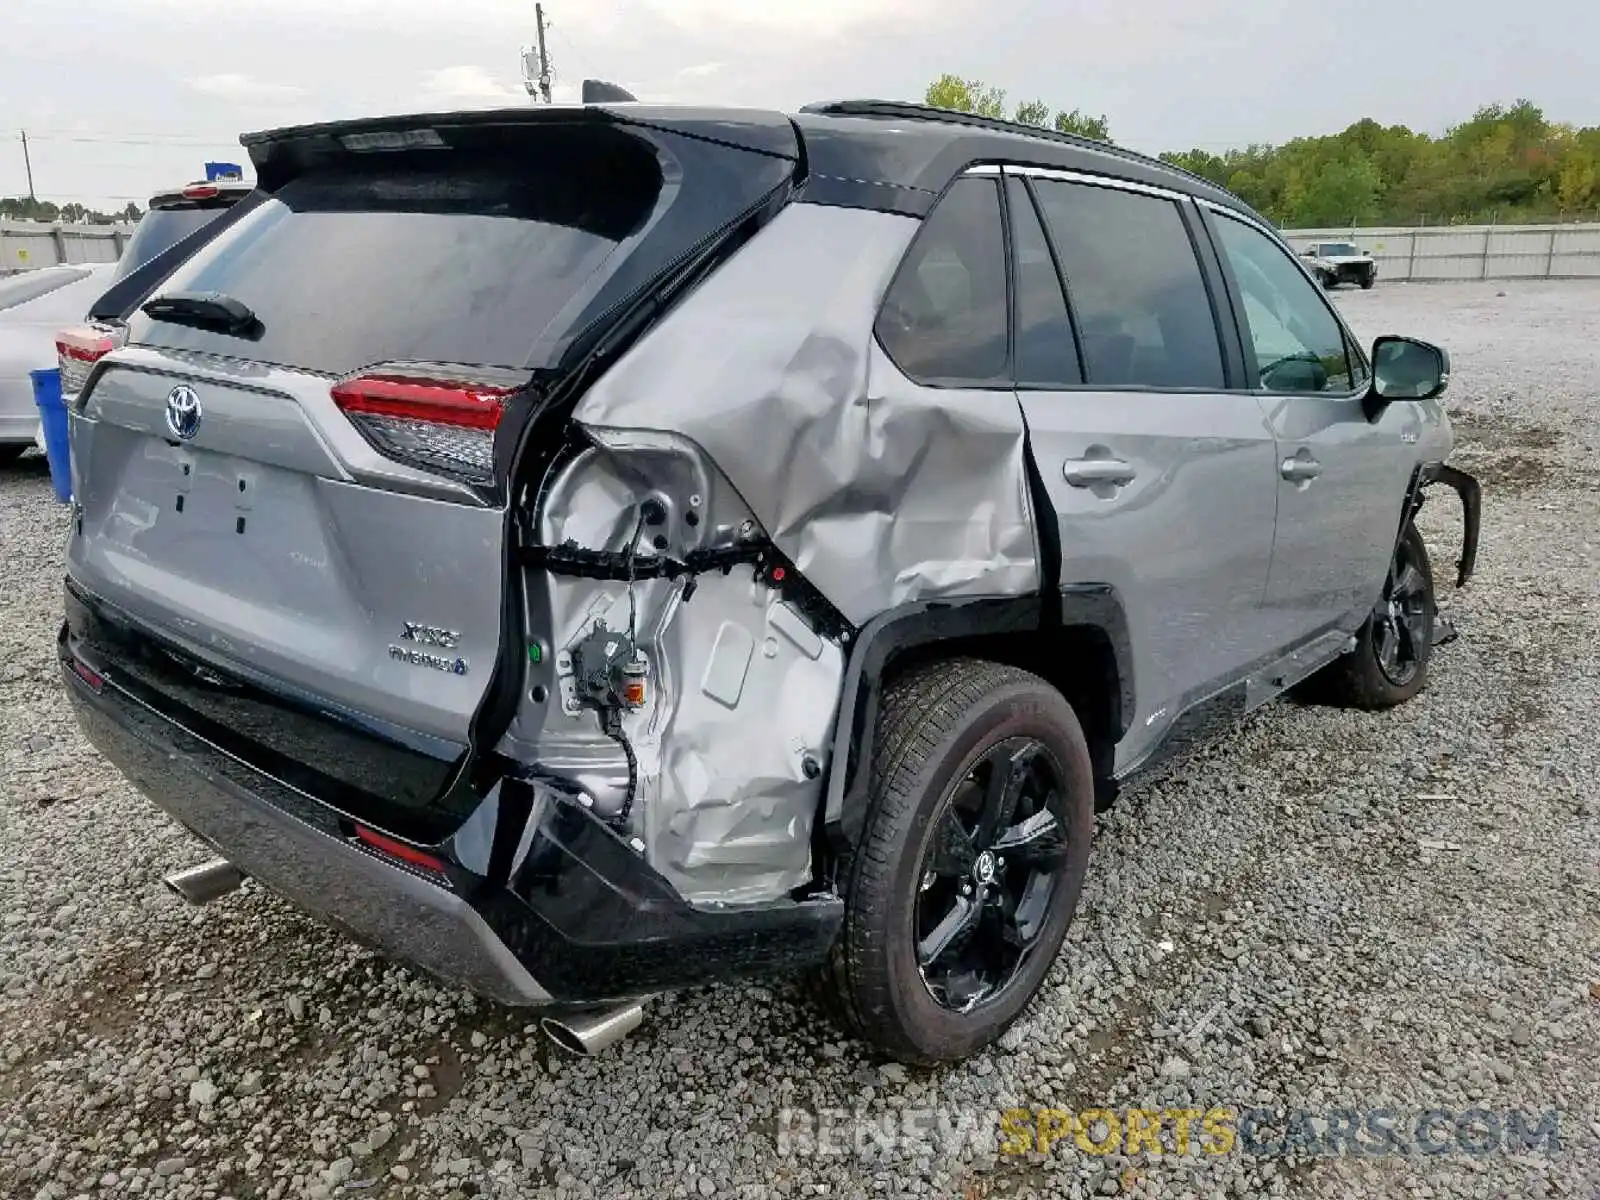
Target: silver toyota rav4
{"type": "Point", "coordinates": [589, 552]}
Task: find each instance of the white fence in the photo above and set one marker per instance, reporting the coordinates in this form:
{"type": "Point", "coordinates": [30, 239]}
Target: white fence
{"type": "Point", "coordinates": [1471, 251]}
{"type": "Point", "coordinates": [25, 245]}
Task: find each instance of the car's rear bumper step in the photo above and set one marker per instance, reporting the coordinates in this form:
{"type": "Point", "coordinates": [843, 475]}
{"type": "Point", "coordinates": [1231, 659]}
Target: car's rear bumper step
{"type": "Point", "coordinates": [580, 918]}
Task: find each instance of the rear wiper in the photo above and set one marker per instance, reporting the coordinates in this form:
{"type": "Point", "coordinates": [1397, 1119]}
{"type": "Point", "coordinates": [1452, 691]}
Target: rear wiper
{"type": "Point", "coordinates": [205, 310]}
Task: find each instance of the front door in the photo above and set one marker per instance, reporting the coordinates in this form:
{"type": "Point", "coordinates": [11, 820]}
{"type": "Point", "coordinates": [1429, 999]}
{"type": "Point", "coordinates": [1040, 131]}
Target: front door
{"type": "Point", "coordinates": [1341, 478]}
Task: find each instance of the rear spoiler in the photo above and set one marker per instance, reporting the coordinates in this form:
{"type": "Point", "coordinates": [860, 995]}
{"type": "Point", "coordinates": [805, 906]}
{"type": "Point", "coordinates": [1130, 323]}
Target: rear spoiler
{"type": "Point", "coordinates": [280, 155]}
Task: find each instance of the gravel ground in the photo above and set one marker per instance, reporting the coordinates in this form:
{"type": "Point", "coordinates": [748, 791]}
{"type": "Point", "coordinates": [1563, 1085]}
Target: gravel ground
{"type": "Point", "coordinates": [1327, 911]}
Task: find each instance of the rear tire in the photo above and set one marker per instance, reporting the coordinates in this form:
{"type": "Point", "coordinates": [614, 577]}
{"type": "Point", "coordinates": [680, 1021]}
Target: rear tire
{"type": "Point", "coordinates": [1395, 644]}
{"type": "Point", "coordinates": [944, 940]}
{"type": "Point", "coordinates": [1366, 284]}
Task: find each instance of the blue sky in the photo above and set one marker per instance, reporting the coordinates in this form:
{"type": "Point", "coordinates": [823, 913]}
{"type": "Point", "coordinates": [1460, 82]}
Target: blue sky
{"type": "Point", "coordinates": [122, 97]}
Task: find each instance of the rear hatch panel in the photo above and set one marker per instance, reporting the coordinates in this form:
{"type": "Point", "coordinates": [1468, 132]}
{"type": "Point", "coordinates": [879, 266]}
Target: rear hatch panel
{"type": "Point", "coordinates": [267, 549]}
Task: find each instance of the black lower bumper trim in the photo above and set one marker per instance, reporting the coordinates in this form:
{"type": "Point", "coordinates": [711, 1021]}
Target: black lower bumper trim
{"type": "Point", "coordinates": [581, 918]}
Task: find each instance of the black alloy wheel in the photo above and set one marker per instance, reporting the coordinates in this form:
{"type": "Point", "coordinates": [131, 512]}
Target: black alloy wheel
{"type": "Point", "coordinates": [989, 874]}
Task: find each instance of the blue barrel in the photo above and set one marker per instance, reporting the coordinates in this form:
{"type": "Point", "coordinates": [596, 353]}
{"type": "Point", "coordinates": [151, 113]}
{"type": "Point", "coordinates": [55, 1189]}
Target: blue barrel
{"type": "Point", "coordinates": [53, 415]}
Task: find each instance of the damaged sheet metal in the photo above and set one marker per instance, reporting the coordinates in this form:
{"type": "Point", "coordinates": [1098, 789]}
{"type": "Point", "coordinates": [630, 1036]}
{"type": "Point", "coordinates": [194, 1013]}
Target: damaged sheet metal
{"type": "Point", "coordinates": [728, 745]}
{"type": "Point", "coordinates": [880, 491]}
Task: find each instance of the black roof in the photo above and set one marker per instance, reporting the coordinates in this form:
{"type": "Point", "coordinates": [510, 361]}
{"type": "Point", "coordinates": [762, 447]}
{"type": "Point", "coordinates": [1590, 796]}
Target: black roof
{"type": "Point", "coordinates": [916, 146]}
{"type": "Point", "coordinates": [886, 145]}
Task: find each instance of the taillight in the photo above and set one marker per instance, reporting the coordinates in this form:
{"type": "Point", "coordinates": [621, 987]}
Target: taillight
{"type": "Point", "coordinates": [398, 850]}
{"type": "Point", "coordinates": [201, 191]}
{"type": "Point", "coordinates": [77, 351]}
{"type": "Point", "coordinates": [437, 425]}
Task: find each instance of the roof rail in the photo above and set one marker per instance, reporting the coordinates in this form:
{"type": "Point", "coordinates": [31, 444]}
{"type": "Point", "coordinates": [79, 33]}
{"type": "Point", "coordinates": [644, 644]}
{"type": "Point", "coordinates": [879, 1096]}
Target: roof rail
{"type": "Point", "coordinates": [926, 112]}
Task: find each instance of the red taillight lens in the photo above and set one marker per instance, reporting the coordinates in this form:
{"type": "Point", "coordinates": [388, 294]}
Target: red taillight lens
{"type": "Point", "coordinates": [78, 349]}
{"type": "Point", "coordinates": [438, 425]}
{"type": "Point", "coordinates": [94, 679]}
{"type": "Point", "coordinates": [201, 191]}
{"type": "Point", "coordinates": [399, 850]}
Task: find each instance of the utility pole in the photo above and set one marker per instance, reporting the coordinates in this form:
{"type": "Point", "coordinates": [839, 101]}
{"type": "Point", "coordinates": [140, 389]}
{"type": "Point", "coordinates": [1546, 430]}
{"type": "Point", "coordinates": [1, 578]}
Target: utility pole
{"type": "Point", "coordinates": [544, 58]}
{"type": "Point", "coordinates": [28, 164]}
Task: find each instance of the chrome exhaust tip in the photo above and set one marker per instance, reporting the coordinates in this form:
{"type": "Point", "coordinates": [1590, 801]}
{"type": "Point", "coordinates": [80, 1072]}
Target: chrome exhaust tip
{"type": "Point", "coordinates": [204, 883]}
{"type": "Point", "coordinates": [590, 1032]}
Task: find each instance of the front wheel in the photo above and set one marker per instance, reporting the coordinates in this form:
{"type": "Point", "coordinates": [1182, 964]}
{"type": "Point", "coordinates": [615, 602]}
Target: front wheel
{"type": "Point", "coordinates": [1394, 647]}
{"type": "Point", "coordinates": [969, 869]}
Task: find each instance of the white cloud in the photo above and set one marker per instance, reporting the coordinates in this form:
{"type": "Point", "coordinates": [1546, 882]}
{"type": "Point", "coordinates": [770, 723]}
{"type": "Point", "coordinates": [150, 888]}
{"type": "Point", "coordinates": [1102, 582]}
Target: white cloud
{"type": "Point", "coordinates": [815, 19]}
{"type": "Point", "coordinates": [700, 70]}
{"type": "Point", "coordinates": [242, 88]}
{"type": "Point", "coordinates": [470, 85]}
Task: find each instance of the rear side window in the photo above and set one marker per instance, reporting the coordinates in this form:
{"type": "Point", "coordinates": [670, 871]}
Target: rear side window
{"type": "Point", "coordinates": [30, 285]}
{"type": "Point", "coordinates": [1047, 354]}
{"type": "Point", "coordinates": [158, 230]}
{"type": "Point", "coordinates": [1294, 338]}
{"type": "Point", "coordinates": [455, 258]}
{"type": "Point", "coordinates": [944, 318]}
{"type": "Point", "coordinates": [1143, 314]}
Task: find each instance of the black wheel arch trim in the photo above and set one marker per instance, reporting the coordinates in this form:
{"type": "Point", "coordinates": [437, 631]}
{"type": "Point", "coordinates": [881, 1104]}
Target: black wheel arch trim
{"type": "Point", "coordinates": [1467, 489]}
{"type": "Point", "coordinates": [920, 624]}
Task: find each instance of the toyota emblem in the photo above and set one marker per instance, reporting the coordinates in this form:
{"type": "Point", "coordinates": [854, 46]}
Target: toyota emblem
{"type": "Point", "coordinates": [183, 412]}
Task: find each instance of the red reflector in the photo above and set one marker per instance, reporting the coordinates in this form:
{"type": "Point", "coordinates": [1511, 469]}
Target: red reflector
{"type": "Point", "coordinates": [201, 191]}
{"type": "Point", "coordinates": [394, 849]}
{"type": "Point", "coordinates": [464, 405]}
{"type": "Point", "coordinates": [95, 681]}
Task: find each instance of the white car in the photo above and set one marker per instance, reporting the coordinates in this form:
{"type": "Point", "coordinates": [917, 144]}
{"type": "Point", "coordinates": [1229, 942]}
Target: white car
{"type": "Point", "coordinates": [34, 306]}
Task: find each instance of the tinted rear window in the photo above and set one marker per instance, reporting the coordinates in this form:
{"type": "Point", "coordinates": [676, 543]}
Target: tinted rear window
{"type": "Point", "coordinates": [159, 229]}
{"type": "Point", "coordinates": [430, 256]}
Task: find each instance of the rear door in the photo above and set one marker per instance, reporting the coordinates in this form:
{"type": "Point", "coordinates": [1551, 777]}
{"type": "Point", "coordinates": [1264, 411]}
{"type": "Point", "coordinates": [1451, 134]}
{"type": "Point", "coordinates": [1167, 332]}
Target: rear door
{"type": "Point", "coordinates": [1162, 477]}
{"type": "Point", "coordinates": [1341, 478]}
{"type": "Point", "coordinates": [303, 485]}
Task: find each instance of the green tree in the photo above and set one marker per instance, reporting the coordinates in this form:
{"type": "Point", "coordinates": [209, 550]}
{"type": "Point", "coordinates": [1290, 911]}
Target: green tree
{"type": "Point", "coordinates": [966, 95]}
{"type": "Point", "coordinates": [975, 96]}
{"type": "Point", "coordinates": [1033, 112]}
{"type": "Point", "coordinates": [1083, 125]}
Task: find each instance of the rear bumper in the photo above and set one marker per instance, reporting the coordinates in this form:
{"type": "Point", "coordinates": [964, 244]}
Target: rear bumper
{"type": "Point", "coordinates": [565, 912]}
{"type": "Point", "coordinates": [250, 820]}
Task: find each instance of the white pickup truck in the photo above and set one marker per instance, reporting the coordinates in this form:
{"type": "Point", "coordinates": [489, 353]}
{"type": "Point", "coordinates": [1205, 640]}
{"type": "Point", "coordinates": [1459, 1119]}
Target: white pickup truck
{"type": "Point", "coordinates": [1340, 262]}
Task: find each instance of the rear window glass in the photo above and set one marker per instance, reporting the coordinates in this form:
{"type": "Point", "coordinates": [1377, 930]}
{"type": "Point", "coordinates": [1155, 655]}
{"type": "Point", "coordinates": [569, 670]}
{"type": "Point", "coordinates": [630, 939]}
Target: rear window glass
{"type": "Point", "coordinates": [30, 285]}
{"type": "Point", "coordinates": [159, 229]}
{"type": "Point", "coordinates": [433, 257]}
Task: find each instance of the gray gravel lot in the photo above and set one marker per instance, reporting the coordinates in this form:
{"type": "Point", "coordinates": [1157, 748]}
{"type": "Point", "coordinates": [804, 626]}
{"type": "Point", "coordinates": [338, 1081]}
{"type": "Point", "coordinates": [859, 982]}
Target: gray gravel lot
{"type": "Point", "coordinates": [1328, 911]}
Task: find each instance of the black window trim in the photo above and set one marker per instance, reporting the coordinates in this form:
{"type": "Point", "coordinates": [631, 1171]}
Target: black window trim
{"type": "Point", "coordinates": [1061, 281]}
{"type": "Point", "coordinates": [1232, 355]}
{"type": "Point", "coordinates": [1210, 213]}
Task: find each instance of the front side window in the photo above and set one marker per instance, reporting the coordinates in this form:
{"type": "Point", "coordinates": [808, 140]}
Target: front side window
{"type": "Point", "coordinates": [1144, 318]}
{"type": "Point", "coordinates": [944, 318]}
{"type": "Point", "coordinates": [1296, 342]}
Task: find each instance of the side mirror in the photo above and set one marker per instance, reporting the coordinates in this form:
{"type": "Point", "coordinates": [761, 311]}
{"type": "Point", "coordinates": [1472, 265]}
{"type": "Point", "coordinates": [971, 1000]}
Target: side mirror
{"type": "Point", "coordinates": [1405, 369]}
